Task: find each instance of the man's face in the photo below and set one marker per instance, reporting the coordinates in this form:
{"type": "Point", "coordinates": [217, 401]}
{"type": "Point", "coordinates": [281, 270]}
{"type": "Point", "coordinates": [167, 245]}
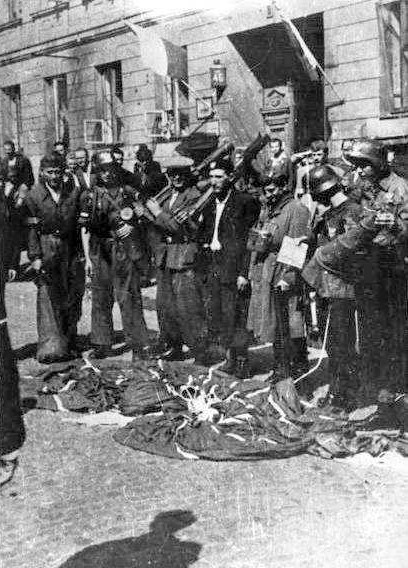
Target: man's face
{"type": "Point", "coordinates": [59, 149]}
{"type": "Point", "coordinates": [178, 180]}
{"type": "Point", "coordinates": [218, 180]}
{"type": "Point", "coordinates": [366, 171]}
{"type": "Point", "coordinates": [82, 159]}
{"type": "Point", "coordinates": [53, 176]}
{"type": "Point", "coordinates": [319, 157]}
{"type": "Point", "coordinates": [9, 150]}
{"type": "Point", "coordinates": [71, 163]}
{"type": "Point", "coordinates": [275, 148]}
{"type": "Point", "coordinates": [108, 176]}
{"type": "Point", "coordinates": [118, 157]}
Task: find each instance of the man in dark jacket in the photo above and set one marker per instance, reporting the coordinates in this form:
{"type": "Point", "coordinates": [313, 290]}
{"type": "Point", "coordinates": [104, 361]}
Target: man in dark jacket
{"type": "Point", "coordinates": [149, 171]}
{"type": "Point", "coordinates": [383, 292]}
{"type": "Point", "coordinates": [127, 178]}
{"type": "Point", "coordinates": [54, 251]}
{"type": "Point", "coordinates": [11, 422]}
{"type": "Point", "coordinates": [337, 290]}
{"type": "Point", "coordinates": [20, 165]}
{"type": "Point", "coordinates": [114, 247]}
{"type": "Point", "coordinates": [223, 265]}
{"type": "Point", "coordinates": [179, 306]}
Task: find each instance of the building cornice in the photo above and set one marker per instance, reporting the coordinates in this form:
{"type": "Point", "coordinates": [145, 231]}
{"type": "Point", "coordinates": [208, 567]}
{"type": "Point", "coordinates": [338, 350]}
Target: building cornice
{"type": "Point", "coordinates": [90, 35]}
{"type": "Point", "coordinates": [11, 24]}
{"type": "Point", "coordinates": [56, 9]}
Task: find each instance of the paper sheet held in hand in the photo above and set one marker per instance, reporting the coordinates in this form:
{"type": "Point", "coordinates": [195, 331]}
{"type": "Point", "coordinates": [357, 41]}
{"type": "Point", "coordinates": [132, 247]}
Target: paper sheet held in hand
{"type": "Point", "coordinates": [291, 253]}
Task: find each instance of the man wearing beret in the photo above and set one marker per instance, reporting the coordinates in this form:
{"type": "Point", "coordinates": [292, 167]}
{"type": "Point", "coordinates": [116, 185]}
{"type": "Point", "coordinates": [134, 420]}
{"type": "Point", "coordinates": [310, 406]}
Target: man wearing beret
{"type": "Point", "coordinates": [224, 263]}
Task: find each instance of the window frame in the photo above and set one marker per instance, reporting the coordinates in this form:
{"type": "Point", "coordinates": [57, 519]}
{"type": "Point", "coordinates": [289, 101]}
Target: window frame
{"type": "Point", "coordinates": [388, 108]}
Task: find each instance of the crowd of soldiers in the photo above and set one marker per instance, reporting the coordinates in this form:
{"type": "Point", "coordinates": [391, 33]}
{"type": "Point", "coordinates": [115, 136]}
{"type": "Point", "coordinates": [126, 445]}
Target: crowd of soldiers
{"type": "Point", "coordinates": [214, 236]}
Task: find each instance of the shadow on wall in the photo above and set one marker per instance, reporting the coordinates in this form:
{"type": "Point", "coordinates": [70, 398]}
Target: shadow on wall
{"type": "Point", "coordinates": [159, 548]}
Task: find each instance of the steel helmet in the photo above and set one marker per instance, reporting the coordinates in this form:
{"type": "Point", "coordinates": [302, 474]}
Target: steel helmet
{"type": "Point", "coordinates": [368, 151]}
{"type": "Point", "coordinates": [105, 160]}
{"type": "Point", "coordinates": [322, 179]}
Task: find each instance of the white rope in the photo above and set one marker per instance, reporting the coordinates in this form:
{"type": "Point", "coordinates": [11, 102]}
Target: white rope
{"type": "Point", "coordinates": [322, 351]}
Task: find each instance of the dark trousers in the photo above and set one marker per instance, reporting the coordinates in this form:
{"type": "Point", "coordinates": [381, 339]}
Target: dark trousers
{"type": "Point", "coordinates": [11, 422]}
{"type": "Point", "coordinates": [180, 309]}
{"type": "Point", "coordinates": [383, 305]}
{"type": "Point", "coordinates": [341, 349]}
{"type": "Point", "coordinates": [60, 288]}
{"type": "Point", "coordinates": [120, 277]}
{"type": "Point", "coordinates": [227, 310]}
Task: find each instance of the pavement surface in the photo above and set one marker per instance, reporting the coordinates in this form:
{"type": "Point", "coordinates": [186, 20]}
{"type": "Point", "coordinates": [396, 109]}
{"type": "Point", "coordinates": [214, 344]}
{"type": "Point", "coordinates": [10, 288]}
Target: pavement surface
{"type": "Point", "coordinates": [80, 500]}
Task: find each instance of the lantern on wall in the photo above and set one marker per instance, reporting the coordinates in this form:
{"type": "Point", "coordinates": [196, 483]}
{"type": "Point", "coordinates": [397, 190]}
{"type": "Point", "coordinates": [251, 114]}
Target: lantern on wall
{"type": "Point", "coordinates": [218, 77]}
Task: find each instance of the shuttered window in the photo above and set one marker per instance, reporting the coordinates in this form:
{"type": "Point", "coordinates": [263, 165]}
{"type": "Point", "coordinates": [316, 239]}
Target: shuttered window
{"type": "Point", "coordinates": [393, 28]}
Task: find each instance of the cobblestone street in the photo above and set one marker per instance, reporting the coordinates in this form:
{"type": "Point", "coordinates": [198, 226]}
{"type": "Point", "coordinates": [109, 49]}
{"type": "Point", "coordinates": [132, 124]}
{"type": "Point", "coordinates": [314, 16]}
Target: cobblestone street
{"type": "Point", "coordinates": [79, 499]}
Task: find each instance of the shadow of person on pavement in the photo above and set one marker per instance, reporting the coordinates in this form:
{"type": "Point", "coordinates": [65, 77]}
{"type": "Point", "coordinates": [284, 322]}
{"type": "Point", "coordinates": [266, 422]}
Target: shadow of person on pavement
{"type": "Point", "coordinates": [159, 548]}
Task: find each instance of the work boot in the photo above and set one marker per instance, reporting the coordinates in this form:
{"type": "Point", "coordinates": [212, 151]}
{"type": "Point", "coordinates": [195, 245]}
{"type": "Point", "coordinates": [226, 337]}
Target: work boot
{"type": "Point", "coordinates": [172, 354]}
{"type": "Point", "coordinates": [230, 364]}
{"type": "Point", "coordinates": [101, 351]}
{"type": "Point", "coordinates": [7, 470]}
{"type": "Point", "coordinates": [242, 370]}
{"type": "Point", "coordinates": [142, 354]}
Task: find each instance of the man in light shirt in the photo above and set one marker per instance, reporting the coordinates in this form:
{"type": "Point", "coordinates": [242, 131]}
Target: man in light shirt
{"type": "Point", "coordinates": [223, 265]}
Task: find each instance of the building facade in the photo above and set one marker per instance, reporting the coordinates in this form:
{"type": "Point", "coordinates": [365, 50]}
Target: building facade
{"type": "Point", "coordinates": [73, 71]}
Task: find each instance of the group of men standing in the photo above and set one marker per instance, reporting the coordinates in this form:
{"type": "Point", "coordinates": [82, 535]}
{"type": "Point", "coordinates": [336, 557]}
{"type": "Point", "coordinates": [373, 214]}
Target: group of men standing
{"type": "Point", "coordinates": [216, 283]}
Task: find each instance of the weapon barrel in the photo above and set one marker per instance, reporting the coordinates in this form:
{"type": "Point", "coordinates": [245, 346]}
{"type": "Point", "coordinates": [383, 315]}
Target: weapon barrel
{"type": "Point", "coordinates": [221, 151]}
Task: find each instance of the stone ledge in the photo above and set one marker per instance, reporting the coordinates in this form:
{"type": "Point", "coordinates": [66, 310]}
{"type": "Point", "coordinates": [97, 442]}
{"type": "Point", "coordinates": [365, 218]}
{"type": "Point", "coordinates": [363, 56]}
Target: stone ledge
{"type": "Point", "coordinates": [11, 24]}
{"type": "Point", "coordinates": [58, 7]}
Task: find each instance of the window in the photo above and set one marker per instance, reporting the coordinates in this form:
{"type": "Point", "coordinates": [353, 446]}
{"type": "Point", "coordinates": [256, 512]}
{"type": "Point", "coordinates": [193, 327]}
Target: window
{"type": "Point", "coordinates": [110, 103]}
{"type": "Point", "coordinates": [393, 26]}
{"type": "Point", "coordinates": [56, 101]}
{"type": "Point", "coordinates": [10, 11]}
{"type": "Point", "coordinates": [11, 114]}
{"type": "Point", "coordinates": [14, 9]}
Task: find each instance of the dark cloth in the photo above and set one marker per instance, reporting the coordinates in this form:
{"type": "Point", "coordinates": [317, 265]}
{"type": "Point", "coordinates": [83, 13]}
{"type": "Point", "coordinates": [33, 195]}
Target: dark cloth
{"type": "Point", "coordinates": [151, 177]}
{"type": "Point", "coordinates": [117, 265]}
{"type": "Point", "coordinates": [53, 238]}
{"type": "Point", "coordinates": [22, 170]}
{"type": "Point", "coordinates": [12, 432]}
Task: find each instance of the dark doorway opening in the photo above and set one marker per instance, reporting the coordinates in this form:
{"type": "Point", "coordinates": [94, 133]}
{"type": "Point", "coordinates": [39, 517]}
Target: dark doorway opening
{"type": "Point", "coordinates": [275, 62]}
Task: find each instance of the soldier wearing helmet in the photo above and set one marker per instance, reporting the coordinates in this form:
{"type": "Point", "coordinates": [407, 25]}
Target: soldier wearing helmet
{"type": "Point", "coordinates": [382, 293]}
{"type": "Point", "coordinates": [180, 311]}
{"type": "Point", "coordinates": [114, 247]}
{"type": "Point", "coordinates": [336, 288]}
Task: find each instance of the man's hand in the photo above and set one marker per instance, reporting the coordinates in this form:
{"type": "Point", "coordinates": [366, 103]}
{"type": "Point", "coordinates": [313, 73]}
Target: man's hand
{"type": "Point", "coordinates": [36, 265]}
{"type": "Point", "coordinates": [124, 231]}
{"type": "Point", "coordinates": [300, 240]}
{"type": "Point", "coordinates": [153, 207]}
{"type": "Point", "coordinates": [12, 275]}
{"type": "Point", "coordinates": [139, 210]}
{"type": "Point", "coordinates": [282, 285]}
{"type": "Point", "coordinates": [242, 283]}
{"type": "Point", "coordinates": [181, 217]}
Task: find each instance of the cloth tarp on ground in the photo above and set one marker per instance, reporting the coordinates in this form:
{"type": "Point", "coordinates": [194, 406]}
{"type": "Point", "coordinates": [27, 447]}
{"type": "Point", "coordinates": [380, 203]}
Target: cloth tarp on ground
{"type": "Point", "coordinates": [182, 411]}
